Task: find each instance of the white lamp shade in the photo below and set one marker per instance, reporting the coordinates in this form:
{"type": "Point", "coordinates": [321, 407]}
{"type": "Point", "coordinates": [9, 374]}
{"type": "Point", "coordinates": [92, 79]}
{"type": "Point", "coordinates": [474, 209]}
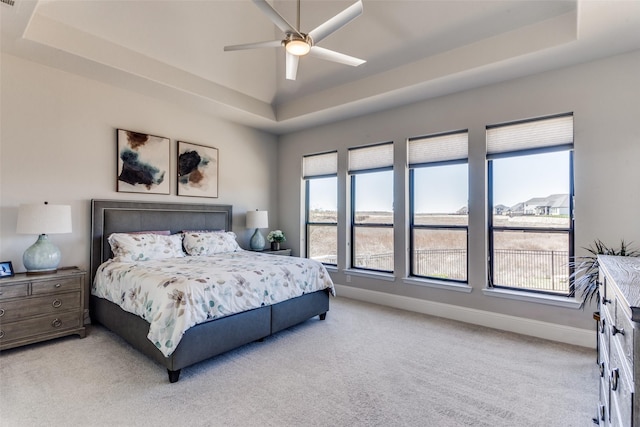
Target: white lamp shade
{"type": "Point", "coordinates": [257, 219]}
{"type": "Point", "coordinates": [44, 219]}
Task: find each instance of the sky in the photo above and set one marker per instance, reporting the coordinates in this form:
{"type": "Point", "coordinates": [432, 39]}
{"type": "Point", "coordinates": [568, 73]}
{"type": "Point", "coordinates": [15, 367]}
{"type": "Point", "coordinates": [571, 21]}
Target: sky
{"type": "Point", "coordinates": [443, 189]}
{"type": "Point", "coordinates": [518, 179]}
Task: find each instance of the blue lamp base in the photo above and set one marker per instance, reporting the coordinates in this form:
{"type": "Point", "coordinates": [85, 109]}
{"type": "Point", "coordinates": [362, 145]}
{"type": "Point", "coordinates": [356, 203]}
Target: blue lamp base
{"type": "Point", "coordinates": [257, 241]}
{"type": "Point", "coordinates": [41, 257]}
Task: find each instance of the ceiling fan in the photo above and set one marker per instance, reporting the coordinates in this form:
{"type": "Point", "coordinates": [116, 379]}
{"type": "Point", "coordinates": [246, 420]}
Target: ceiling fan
{"type": "Point", "coordinates": [297, 43]}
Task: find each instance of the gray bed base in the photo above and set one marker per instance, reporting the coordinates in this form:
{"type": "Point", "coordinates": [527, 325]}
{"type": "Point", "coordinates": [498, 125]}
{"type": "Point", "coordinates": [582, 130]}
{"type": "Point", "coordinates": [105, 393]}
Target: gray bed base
{"type": "Point", "coordinates": [204, 340]}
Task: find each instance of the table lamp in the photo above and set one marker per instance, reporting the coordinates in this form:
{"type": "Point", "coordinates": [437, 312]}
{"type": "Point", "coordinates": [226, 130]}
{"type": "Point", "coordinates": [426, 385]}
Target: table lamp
{"type": "Point", "coordinates": [257, 219]}
{"type": "Point", "coordinates": [43, 219]}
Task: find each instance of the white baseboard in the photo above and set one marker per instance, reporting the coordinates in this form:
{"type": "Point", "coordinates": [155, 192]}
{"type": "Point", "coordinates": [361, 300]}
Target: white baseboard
{"type": "Point", "coordinates": [520, 325]}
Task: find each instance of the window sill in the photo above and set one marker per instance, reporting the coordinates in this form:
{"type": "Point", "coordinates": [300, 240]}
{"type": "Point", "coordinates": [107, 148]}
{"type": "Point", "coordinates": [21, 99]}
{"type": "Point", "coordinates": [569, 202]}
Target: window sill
{"type": "Point", "coordinates": [331, 268]}
{"type": "Point", "coordinates": [389, 277]}
{"type": "Point", "coordinates": [557, 301]}
{"type": "Point", "coordinates": [438, 284]}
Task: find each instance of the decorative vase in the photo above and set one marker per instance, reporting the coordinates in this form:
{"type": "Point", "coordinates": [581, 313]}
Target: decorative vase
{"type": "Point", "coordinates": [257, 241]}
{"type": "Point", "coordinates": [41, 257]}
{"type": "Point", "coordinates": [275, 246]}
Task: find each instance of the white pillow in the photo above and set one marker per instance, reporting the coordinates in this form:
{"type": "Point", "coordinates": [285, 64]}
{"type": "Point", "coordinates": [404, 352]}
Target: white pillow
{"type": "Point", "coordinates": [210, 243]}
{"type": "Point", "coordinates": [128, 247]}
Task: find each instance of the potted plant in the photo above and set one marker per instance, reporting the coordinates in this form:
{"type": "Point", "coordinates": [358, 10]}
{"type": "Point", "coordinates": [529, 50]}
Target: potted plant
{"type": "Point", "coordinates": [584, 277]}
{"type": "Point", "coordinates": [276, 237]}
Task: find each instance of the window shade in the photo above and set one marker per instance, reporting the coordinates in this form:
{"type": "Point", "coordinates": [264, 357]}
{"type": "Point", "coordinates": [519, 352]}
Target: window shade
{"type": "Point", "coordinates": [379, 156]}
{"type": "Point", "coordinates": [439, 148]}
{"type": "Point", "coordinates": [539, 133]}
{"type": "Point", "coordinates": [325, 164]}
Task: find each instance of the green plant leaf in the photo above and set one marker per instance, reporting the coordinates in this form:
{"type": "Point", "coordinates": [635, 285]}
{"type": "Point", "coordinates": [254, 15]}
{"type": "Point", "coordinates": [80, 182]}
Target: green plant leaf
{"type": "Point", "coordinates": [586, 272]}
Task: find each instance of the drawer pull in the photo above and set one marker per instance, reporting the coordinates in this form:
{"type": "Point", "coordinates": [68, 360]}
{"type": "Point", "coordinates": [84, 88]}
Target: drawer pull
{"type": "Point", "coordinates": [601, 415]}
{"type": "Point", "coordinates": [1, 312]}
{"type": "Point", "coordinates": [56, 303]}
{"type": "Point", "coordinates": [56, 323]}
{"type": "Point", "coordinates": [602, 325]}
{"type": "Point", "coordinates": [602, 369]}
{"type": "Point", "coordinates": [1, 334]}
{"type": "Point", "coordinates": [615, 376]}
{"type": "Point", "coordinates": [615, 330]}
{"type": "Point", "coordinates": [57, 285]}
{"type": "Point", "coordinates": [606, 301]}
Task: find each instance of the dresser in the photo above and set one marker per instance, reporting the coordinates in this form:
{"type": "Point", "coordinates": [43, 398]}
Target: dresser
{"type": "Point", "coordinates": [35, 308]}
{"type": "Point", "coordinates": [619, 341]}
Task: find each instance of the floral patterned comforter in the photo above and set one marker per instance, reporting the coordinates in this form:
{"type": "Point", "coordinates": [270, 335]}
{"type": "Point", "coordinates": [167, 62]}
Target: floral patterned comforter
{"type": "Point", "coordinates": [177, 293]}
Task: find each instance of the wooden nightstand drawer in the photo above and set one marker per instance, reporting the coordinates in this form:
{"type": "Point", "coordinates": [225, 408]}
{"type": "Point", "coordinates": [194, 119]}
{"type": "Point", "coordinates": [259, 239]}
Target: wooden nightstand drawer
{"type": "Point", "coordinates": [40, 325]}
{"type": "Point", "coordinates": [13, 291]}
{"type": "Point", "coordinates": [20, 309]}
{"type": "Point", "coordinates": [41, 307]}
{"type": "Point", "coordinates": [61, 285]}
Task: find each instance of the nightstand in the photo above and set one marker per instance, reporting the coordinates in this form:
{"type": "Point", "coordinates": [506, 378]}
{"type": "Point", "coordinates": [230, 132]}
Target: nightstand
{"type": "Point", "coordinates": [285, 252]}
{"type": "Point", "coordinates": [35, 308]}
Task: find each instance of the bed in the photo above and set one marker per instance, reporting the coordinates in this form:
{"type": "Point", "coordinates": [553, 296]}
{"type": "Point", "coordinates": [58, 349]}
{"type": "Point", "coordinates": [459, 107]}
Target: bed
{"type": "Point", "coordinates": [212, 336]}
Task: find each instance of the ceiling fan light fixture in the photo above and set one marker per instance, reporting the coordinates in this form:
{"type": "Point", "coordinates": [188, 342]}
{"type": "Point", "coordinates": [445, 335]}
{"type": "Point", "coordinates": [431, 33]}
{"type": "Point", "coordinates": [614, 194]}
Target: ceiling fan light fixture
{"type": "Point", "coordinates": [297, 47]}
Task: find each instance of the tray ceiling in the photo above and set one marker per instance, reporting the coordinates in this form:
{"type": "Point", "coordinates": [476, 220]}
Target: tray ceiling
{"type": "Point", "coordinates": [173, 49]}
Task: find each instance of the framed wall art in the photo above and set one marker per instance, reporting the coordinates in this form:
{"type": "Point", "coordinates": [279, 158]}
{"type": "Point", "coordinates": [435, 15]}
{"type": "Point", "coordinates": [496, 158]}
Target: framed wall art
{"type": "Point", "coordinates": [143, 163]}
{"type": "Point", "coordinates": [197, 170]}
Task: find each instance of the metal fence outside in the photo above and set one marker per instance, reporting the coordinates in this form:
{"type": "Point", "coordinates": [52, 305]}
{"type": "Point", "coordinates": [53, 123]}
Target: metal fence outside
{"type": "Point", "coordinates": [541, 270]}
{"type": "Point", "coordinates": [382, 262]}
{"type": "Point", "coordinates": [441, 263]}
{"type": "Point", "coordinates": [515, 268]}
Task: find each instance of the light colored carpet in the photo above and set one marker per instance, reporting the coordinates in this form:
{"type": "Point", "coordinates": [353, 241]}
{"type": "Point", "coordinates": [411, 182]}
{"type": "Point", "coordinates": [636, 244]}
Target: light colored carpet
{"type": "Point", "coordinates": [365, 365]}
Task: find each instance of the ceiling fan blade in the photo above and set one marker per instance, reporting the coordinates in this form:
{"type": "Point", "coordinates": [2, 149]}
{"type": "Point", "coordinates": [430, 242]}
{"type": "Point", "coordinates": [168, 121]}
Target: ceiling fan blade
{"type": "Point", "coordinates": [330, 55]}
{"type": "Point", "coordinates": [291, 66]}
{"type": "Point", "coordinates": [337, 22]}
{"type": "Point", "coordinates": [275, 17]}
{"type": "Point", "coordinates": [273, 43]}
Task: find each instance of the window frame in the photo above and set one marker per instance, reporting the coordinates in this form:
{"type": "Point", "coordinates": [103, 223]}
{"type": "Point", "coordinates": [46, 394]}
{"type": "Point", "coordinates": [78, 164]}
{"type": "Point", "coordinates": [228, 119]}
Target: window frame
{"type": "Point", "coordinates": [492, 229]}
{"type": "Point", "coordinates": [447, 149]}
{"type": "Point", "coordinates": [307, 192]}
{"type": "Point", "coordinates": [309, 224]}
{"type": "Point", "coordinates": [355, 225]}
{"type": "Point", "coordinates": [413, 226]}
{"type": "Point", "coordinates": [352, 214]}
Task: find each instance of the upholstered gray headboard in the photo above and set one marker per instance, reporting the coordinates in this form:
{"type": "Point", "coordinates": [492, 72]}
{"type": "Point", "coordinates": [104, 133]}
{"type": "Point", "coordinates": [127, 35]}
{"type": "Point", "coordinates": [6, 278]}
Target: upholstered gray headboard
{"type": "Point", "coordinates": [121, 216]}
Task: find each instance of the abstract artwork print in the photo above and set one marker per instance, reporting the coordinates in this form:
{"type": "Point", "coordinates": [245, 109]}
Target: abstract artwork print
{"type": "Point", "coordinates": [197, 170]}
{"type": "Point", "coordinates": [143, 163]}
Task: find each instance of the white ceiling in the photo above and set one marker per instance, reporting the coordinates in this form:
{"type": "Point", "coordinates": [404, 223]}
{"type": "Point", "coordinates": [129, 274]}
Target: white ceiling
{"type": "Point", "coordinates": [416, 49]}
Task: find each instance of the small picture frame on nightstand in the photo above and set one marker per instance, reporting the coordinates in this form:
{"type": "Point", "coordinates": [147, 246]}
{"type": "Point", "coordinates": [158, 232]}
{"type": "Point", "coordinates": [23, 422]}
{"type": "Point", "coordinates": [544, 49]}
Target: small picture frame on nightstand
{"type": "Point", "coordinates": [6, 269]}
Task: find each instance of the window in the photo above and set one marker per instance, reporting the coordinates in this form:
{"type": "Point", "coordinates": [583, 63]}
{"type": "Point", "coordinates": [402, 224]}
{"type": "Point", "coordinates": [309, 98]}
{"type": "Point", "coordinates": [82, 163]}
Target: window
{"type": "Point", "coordinates": [321, 206]}
{"type": "Point", "coordinates": [438, 188]}
{"type": "Point", "coordinates": [531, 203]}
{"type": "Point", "coordinates": [371, 170]}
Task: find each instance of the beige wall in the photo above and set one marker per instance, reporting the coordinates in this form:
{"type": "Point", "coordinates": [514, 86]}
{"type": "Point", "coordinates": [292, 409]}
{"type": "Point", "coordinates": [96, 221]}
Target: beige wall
{"type": "Point", "coordinates": [604, 97]}
{"type": "Point", "coordinates": [58, 143]}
